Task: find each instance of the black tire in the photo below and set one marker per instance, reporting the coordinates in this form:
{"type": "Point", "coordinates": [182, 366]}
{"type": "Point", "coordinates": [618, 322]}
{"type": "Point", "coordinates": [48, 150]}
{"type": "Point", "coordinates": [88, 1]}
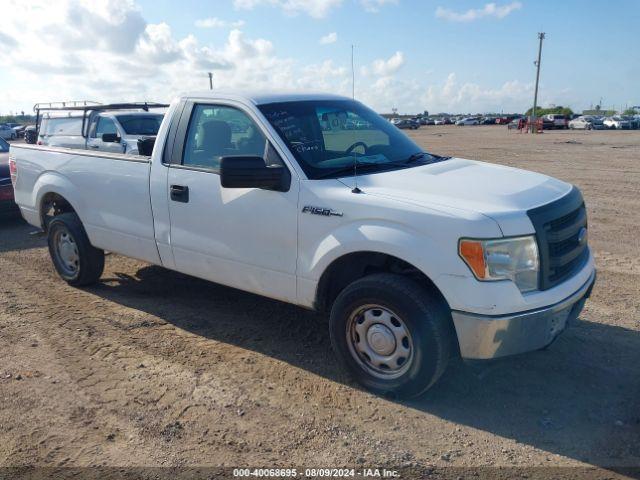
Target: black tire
{"type": "Point", "coordinates": [88, 266]}
{"type": "Point", "coordinates": [424, 316]}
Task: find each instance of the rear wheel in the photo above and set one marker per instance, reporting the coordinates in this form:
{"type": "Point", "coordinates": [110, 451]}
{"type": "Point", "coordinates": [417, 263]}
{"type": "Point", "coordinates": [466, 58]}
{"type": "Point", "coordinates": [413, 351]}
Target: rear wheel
{"type": "Point", "coordinates": [393, 336]}
{"type": "Point", "coordinates": [75, 259]}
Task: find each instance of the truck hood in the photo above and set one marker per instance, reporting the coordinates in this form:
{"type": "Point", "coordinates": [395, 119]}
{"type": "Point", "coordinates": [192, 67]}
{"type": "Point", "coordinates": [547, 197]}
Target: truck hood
{"type": "Point", "coordinates": [502, 193]}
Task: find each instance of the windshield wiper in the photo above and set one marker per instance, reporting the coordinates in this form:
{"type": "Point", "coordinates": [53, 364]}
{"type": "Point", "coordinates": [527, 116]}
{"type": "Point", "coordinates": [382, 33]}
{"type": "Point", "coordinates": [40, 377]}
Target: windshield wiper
{"type": "Point", "coordinates": [368, 167]}
{"type": "Point", "coordinates": [350, 169]}
{"type": "Point", "coordinates": [414, 158]}
{"type": "Point", "coordinates": [417, 156]}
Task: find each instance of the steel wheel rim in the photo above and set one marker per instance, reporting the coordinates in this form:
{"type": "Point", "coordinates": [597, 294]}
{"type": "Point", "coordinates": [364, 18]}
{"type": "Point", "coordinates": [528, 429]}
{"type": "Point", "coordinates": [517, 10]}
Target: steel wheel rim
{"type": "Point", "coordinates": [379, 341]}
{"type": "Point", "coordinates": [66, 252]}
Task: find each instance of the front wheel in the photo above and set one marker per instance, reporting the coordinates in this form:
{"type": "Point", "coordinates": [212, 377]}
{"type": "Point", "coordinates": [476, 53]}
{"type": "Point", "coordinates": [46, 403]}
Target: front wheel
{"type": "Point", "coordinates": [75, 259]}
{"type": "Point", "coordinates": [393, 336]}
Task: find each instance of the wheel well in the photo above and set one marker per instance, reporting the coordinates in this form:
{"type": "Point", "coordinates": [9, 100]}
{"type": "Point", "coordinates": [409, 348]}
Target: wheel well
{"type": "Point", "coordinates": [53, 204]}
{"type": "Point", "coordinates": [351, 267]}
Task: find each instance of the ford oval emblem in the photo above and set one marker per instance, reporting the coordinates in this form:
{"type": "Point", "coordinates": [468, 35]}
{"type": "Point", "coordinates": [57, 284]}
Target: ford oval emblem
{"type": "Point", "coordinates": [582, 236]}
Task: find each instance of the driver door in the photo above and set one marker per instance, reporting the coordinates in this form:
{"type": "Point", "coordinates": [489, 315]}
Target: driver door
{"type": "Point", "coordinates": [241, 237]}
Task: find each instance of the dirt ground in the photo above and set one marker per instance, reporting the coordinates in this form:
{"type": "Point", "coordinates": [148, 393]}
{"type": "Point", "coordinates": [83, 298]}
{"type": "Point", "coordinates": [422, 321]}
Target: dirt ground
{"type": "Point", "coordinates": [153, 368]}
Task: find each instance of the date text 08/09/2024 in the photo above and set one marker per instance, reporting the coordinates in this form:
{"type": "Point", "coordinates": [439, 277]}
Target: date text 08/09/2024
{"type": "Point", "coordinates": [315, 472]}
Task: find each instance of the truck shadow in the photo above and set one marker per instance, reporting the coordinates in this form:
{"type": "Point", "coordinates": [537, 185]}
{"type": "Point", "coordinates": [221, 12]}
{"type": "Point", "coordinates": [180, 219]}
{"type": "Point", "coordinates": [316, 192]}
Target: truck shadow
{"type": "Point", "coordinates": [16, 234]}
{"type": "Point", "coordinates": [579, 398]}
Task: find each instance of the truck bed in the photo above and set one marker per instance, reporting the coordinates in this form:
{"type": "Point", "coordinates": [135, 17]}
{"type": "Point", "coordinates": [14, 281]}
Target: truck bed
{"type": "Point", "coordinates": [108, 191]}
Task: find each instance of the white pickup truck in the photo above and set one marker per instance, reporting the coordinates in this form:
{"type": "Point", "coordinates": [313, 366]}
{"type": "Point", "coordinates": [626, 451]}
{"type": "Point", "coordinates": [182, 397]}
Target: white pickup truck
{"type": "Point", "coordinates": [83, 124]}
{"type": "Point", "coordinates": [417, 258]}
{"type": "Point", "coordinates": [115, 132]}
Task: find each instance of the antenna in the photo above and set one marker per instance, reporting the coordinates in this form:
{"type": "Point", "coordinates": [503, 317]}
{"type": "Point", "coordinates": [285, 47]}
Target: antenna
{"type": "Point", "coordinates": [353, 77]}
{"type": "Point", "coordinates": [355, 175]}
{"type": "Point", "coordinates": [210, 81]}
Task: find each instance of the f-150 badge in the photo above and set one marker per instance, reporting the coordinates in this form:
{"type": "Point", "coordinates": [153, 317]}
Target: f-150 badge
{"type": "Point", "coordinates": [326, 212]}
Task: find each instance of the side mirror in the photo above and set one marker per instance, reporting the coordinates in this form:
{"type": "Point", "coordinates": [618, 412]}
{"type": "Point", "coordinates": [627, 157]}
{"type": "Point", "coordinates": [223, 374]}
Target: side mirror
{"type": "Point", "coordinates": [110, 138]}
{"type": "Point", "coordinates": [252, 172]}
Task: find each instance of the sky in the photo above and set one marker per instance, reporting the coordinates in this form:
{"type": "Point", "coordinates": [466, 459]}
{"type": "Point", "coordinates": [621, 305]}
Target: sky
{"type": "Point", "coordinates": [459, 56]}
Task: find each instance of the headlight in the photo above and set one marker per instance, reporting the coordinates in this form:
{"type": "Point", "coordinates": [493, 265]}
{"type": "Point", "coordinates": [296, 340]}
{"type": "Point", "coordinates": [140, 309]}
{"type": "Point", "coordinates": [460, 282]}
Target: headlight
{"type": "Point", "coordinates": [514, 259]}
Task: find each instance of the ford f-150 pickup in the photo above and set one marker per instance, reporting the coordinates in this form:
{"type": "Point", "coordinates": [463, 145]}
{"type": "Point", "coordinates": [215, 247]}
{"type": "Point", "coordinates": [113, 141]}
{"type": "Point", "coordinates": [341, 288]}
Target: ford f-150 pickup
{"type": "Point", "coordinates": [417, 258]}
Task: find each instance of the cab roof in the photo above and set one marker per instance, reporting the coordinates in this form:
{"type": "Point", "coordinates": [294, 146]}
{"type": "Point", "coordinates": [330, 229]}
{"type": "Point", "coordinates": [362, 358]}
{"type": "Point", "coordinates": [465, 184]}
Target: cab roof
{"type": "Point", "coordinates": [261, 97]}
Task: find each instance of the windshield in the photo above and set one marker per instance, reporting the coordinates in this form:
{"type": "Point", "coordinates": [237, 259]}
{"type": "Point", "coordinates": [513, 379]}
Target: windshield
{"type": "Point", "coordinates": [140, 124]}
{"type": "Point", "coordinates": [4, 145]}
{"type": "Point", "coordinates": [329, 136]}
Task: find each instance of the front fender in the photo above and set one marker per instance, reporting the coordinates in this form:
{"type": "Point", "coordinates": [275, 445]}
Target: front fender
{"type": "Point", "coordinates": [397, 240]}
{"type": "Point", "coordinates": [388, 238]}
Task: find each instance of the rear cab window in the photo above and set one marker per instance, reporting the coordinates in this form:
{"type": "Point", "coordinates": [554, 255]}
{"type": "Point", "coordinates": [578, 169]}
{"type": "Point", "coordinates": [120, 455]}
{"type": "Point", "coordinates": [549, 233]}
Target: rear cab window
{"type": "Point", "coordinates": [140, 124]}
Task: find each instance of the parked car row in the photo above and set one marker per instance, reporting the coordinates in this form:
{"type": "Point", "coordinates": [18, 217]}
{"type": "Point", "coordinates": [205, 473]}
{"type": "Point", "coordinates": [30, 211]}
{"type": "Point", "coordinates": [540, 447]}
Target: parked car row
{"type": "Point", "coordinates": [7, 132]}
{"type": "Point", "coordinates": [615, 122]}
{"type": "Point", "coordinates": [549, 121]}
{"type": "Point", "coordinates": [468, 121]}
{"type": "Point", "coordinates": [406, 123]}
{"type": "Point", "coordinates": [11, 131]}
{"type": "Point", "coordinates": [622, 122]}
{"type": "Point", "coordinates": [586, 122]}
{"type": "Point", "coordinates": [8, 207]}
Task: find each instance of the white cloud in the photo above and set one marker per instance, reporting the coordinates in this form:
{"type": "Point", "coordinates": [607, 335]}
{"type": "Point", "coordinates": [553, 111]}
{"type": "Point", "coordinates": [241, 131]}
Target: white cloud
{"type": "Point", "coordinates": [324, 76]}
{"type": "Point", "coordinates": [68, 51]}
{"type": "Point", "coordinates": [7, 40]}
{"type": "Point", "coordinates": [469, 97]}
{"type": "Point", "coordinates": [489, 10]}
{"type": "Point", "coordinates": [313, 8]}
{"type": "Point", "coordinates": [214, 22]}
{"type": "Point", "coordinates": [374, 6]}
{"type": "Point", "coordinates": [60, 55]}
{"type": "Point", "coordinates": [329, 38]}
{"type": "Point", "coordinates": [158, 44]}
{"type": "Point", "coordinates": [385, 68]}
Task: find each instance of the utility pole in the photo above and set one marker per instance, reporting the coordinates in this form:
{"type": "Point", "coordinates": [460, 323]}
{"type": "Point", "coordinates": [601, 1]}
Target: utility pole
{"type": "Point", "coordinates": [541, 36]}
{"type": "Point", "coordinates": [353, 77]}
{"type": "Point", "coordinates": [210, 81]}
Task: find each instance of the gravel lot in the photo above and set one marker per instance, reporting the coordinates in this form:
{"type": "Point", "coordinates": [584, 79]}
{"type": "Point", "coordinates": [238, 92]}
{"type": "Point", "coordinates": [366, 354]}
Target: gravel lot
{"type": "Point", "coordinates": [153, 368]}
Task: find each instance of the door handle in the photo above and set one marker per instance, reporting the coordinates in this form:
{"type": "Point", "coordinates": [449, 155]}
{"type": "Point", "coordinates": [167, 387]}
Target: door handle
{"type": "Point", "coordinates": [179, 193]}
{"type": "Point", "coordinates": [94, 146]}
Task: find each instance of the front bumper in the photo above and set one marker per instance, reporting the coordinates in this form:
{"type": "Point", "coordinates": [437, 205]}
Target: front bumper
{"type": "Point", "coordinates": [484, 336]}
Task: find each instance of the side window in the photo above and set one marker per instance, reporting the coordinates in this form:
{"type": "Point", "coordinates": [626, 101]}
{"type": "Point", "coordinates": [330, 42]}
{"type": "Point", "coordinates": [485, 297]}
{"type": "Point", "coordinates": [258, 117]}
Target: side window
{"type": "Point", "coordinates": [105, 125]}
{"type": "Point", "coordinates": [219, 131]}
